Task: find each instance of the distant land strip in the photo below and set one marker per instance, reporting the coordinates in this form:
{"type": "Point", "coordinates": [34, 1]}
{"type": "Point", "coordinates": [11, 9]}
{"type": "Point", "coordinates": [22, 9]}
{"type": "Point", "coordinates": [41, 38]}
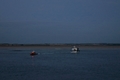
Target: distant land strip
{"type": "Point", "coordinates": [62, 45]}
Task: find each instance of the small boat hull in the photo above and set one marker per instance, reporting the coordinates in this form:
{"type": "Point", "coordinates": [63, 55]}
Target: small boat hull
{"type": "Point", "coordinates": [33, 53]}
{"type": "Point", "coordinates": [75, 49]}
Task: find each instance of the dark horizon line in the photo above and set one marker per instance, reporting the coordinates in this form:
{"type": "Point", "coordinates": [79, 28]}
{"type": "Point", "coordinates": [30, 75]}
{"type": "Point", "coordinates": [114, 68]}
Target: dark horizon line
{"type": "Point", "coordinates": [60, 44]}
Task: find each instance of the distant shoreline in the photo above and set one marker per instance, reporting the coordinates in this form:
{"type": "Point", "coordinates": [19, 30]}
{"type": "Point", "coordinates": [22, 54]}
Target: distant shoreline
{"type": "Point", "coordinates": [62, 46]}
{"type": "Point", "coordinates": [67, 45]}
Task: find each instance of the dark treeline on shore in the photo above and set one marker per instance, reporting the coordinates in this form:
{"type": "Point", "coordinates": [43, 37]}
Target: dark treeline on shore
{"type": "Point", "coordinates": [67, 44]}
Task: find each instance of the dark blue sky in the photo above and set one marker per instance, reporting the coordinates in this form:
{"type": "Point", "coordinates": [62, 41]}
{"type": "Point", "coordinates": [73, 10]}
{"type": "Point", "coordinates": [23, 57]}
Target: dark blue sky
{"type": "Point", "coordinates": [59, 21]}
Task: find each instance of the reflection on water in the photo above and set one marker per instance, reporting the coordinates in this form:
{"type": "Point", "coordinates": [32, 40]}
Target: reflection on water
{"type": "Point", "coordinates": [74, 52]}
{"type": "Point", "coordinates": [32, 59]}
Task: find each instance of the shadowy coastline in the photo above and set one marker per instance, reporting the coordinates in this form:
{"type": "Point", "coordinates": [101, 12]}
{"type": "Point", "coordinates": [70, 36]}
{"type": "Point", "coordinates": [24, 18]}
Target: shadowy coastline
{"type": "Point", "coordinates": [85, 45]}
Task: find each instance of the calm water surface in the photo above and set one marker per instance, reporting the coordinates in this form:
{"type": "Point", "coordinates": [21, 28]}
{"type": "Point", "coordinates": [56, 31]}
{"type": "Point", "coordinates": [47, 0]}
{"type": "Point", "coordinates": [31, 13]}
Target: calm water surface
{"type": "Point", "coordinates": [59, 64]}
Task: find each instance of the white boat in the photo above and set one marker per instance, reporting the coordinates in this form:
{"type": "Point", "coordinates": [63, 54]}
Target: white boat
{"type": "Point", "coordinates": [75, 49]}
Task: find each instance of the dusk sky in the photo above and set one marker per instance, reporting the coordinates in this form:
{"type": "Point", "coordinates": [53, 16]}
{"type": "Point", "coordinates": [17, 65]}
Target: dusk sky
{"type": "Point", "coordinates": [59, 21]}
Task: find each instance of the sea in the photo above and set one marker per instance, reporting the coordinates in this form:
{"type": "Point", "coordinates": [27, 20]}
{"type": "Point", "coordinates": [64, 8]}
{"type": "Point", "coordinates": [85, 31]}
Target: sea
{"type": "Point", "coordinates": [60, 64]}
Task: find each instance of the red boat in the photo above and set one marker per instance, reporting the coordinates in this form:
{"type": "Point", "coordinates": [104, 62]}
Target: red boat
{"type": "Point", "coordinates": [33, 53]}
